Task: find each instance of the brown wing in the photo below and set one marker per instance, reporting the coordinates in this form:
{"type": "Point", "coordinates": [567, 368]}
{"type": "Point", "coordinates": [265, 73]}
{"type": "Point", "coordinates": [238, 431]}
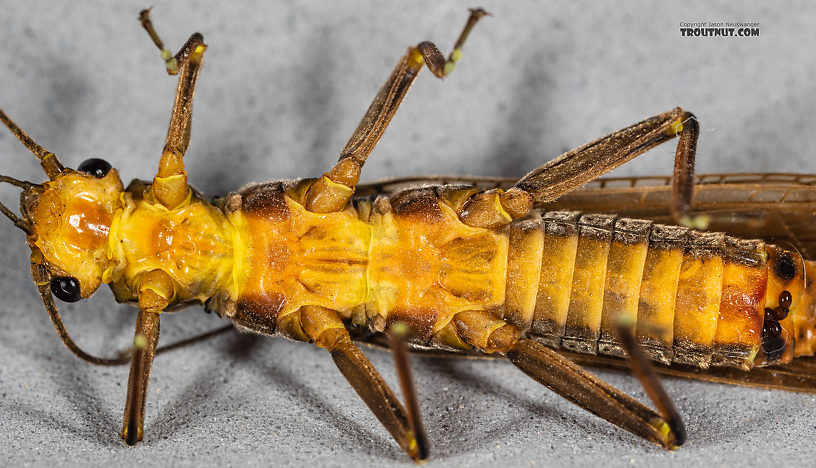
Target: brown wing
{"type": "Point", "coordinates": [796, 376]}
{"type": "Point", "coordinates": [778, 208]}
{"type": "Point", "coordinates": [389, 186]}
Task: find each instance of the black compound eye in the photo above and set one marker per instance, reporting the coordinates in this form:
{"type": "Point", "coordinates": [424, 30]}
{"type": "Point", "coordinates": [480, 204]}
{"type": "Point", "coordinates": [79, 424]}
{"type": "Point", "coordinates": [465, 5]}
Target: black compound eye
{"type": "Point", "coordinates": [66, 288]}
{"type": "Point", "coordinates": [96, 167]}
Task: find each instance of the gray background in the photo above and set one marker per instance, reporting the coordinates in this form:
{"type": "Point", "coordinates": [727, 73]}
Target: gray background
{"type": "Point", "coordinates": [283, 87]}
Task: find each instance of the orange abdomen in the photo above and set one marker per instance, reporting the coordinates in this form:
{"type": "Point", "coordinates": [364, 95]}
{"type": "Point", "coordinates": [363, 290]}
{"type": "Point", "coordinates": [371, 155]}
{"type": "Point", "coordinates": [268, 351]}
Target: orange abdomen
{"type": "Point", "coordinates": [562, 278]}
{"type": "Point", "coordinates": [691, 297]}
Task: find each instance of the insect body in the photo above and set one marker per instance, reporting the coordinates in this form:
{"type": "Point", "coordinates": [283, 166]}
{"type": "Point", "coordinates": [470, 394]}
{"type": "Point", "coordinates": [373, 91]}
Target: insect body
{"type": "Point", "coordinates": [454, 267]}
{"type": "Point", "coordinates": [562, 277]}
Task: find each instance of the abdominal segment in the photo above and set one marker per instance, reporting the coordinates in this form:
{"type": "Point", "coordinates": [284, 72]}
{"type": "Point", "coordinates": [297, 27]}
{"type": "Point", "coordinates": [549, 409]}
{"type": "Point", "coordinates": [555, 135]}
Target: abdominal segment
{"type": "Point", "coordinates": [563, 278]}
{"type": "Point", "coordinates": [695, 298]}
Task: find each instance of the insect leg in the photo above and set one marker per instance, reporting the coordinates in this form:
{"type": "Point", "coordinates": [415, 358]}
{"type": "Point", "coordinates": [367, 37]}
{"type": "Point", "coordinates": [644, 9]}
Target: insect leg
{"type": "Point", "coordinates": [645, 373]}
{"type": "Point", "coordinates": [579, 166]}
{"type": "Point", "coordinates": [170, 184]}
{"type": "Point", "coordinates": [406, 378]}
{"type": "Point", "coordinates": [487, 208]}
{"type": "Point", "coordinates": [324, 327]}
{"type": "Point", "coordinates": [332, 191]}
{"type": "Point", "coordinates": [48, 160]}
{"type": "Point", "coordinates": [591, 393]}
{"type": "Point", "coordinates": [480, 329]}
{"type": "Point", "coordinates": [144, 343]}
{"type": "Point", "coordinates": [155, 290]}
